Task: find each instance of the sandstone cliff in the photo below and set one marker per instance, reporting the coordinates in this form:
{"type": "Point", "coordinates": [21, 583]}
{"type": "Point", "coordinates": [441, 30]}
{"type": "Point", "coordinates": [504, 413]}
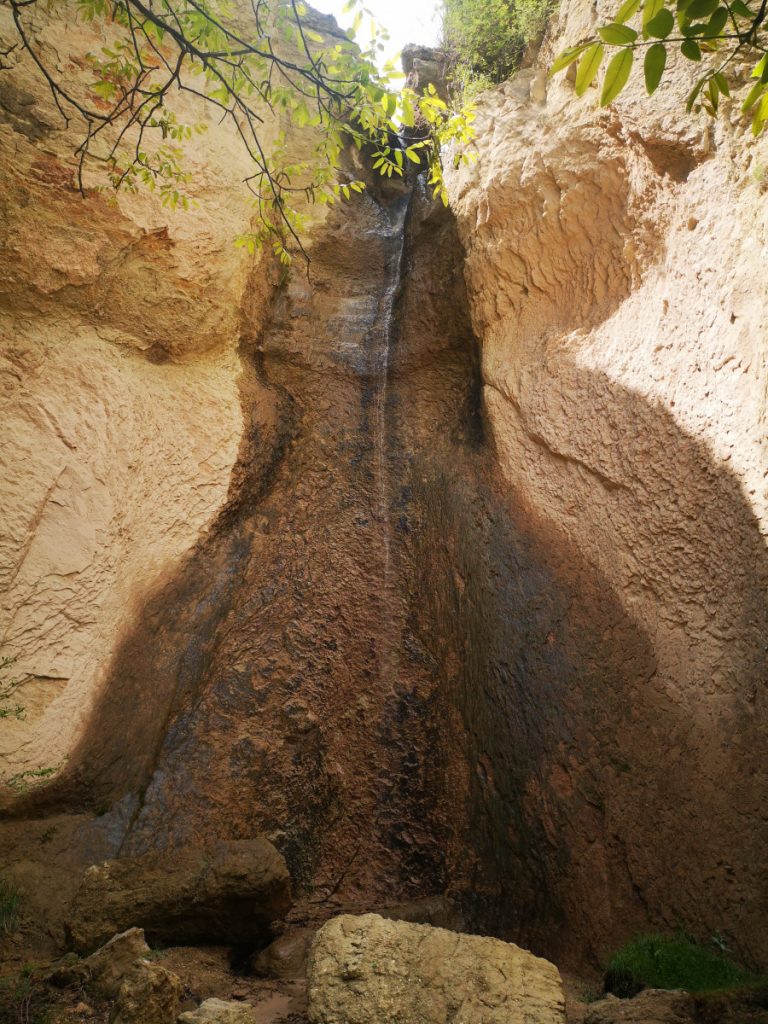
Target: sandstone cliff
{"type": "Point", "coordinates": [613, 269]}
{"type": "Point", "coordinates": [443, 568]}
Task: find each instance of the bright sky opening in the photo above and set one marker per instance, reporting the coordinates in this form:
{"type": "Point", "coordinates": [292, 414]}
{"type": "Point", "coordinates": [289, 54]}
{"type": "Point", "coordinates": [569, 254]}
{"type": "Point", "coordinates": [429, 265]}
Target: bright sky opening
{"type": "Point", "coordinates": [407, 21]}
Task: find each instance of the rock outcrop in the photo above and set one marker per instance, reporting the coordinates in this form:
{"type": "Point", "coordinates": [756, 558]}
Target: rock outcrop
{"type": "Point", "coordinates": [228, 893]}
{"type": "Point", "coordinates": [367, 970]}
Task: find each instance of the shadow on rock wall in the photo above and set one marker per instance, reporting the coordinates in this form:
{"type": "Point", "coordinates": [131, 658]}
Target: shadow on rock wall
{"type": "Point", "coordinates": [490, 718]}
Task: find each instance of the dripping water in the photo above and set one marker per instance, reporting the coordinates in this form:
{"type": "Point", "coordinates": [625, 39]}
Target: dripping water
{"type": "Point", "coordinates": [381, 355]}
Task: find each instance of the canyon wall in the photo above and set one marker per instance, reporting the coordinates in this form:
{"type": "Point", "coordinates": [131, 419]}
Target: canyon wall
{"type": "Point", "coordinates": [120, 321]}
{"type": "Point", "coordinates": [613, 266]}
{"type": "Point", "coordinates": [442, 565]}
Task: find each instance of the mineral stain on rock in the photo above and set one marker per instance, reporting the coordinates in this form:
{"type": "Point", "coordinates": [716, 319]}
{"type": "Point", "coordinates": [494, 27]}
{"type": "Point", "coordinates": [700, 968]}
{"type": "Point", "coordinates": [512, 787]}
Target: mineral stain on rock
{"type": "Point", "coordinates": [481, 615]}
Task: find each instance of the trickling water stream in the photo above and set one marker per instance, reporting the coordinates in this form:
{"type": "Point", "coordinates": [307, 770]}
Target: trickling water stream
{"type": "Point", "coordinates": [381, 343]}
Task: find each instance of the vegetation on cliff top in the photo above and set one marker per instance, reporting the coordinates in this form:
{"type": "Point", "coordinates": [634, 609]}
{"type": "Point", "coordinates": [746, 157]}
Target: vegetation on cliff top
{"type": "Point", "coordinates": [488, 38]}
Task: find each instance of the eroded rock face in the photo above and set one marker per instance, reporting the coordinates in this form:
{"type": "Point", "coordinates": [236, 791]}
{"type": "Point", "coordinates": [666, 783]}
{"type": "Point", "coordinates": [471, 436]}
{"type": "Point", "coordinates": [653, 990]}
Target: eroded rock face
{"type": "Point", "coordinates": [227, 893]}
{"type": "Point", "coordinates": [446, 577]}
{"type": "Point", "coordinates": [610, 271]}
{"type": "Point", "coordinates": [366, 970]}
{"type": "Point", "coordinates": [120, 392]}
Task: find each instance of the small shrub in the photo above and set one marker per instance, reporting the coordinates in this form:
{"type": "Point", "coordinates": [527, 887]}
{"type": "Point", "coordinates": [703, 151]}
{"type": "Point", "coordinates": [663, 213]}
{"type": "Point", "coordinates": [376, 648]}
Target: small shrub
{"type": "Point", "coordinates": [671, 962]}
{"type": "Point", "coordinates": [10, 906]}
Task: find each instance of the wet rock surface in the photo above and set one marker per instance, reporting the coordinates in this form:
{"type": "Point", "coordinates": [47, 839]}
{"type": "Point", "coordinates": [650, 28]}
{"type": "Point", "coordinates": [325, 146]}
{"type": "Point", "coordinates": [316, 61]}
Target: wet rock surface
{"type": "Point", "coordinates": [367, 970]}
{"type": "Point", "coordinates": [230, 892]}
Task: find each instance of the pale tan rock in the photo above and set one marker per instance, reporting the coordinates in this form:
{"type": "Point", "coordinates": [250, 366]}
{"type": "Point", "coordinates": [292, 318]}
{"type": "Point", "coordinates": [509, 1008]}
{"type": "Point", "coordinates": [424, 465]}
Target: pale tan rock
{"type": "Point", "coordinates": [110, 964]}
{"type": "Point", "coordinates": [148, 995]}
{"type": "Point", "coordinates": [119, 388]}
{"type": "Point", "coordinates": [368, 970]}
{"type": "Point", "coordinates": [219, 1011]}
{"type": "Point", "coordinates": [611, 271]}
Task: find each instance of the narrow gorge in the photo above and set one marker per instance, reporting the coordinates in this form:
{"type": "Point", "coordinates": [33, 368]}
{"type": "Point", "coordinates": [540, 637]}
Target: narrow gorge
{"type": "Point", "coordinates": [439, 561]}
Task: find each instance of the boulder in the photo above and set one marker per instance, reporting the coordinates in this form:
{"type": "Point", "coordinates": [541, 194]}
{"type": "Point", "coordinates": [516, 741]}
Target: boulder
{"type": "Point", "coordinates": [368, 970]}
{"type": "Point", "coordinates": [286, 957]}
{"type": "Point", "coordinates": [109, 965]}
{"type": "Point", "coordinates": [102, 972]}
{"type": "Point", "coordinates": [228, 893]}
{"type": "Point", "coordinates": [219, 1011]}
{"type": "Point", "coordinates": [149, 994]}
{"type": "Point", "coordinates": [653, 1006]}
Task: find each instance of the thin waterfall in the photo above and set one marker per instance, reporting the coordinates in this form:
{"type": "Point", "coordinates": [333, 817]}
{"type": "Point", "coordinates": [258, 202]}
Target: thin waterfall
{"type": "Point", "coordinates": [382, 349]}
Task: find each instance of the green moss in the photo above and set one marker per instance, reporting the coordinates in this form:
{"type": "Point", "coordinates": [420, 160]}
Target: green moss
{"type": "Point", "coordinates": [671, 962]}
{"type": "Point", "coordinates": [489, 38]}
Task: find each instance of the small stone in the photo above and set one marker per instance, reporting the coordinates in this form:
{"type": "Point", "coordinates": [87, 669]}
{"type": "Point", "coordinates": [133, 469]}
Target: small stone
{"type": "Point", "coordinates": [219, 1011]}
{"type": "Point", "coordinates": [653, 1006]}
{"type": "Point", "coordinates": [112, 962]}
{"type": "Point", "coordinates": [148, 995]}
{"type": "Point", "coordinates": [83, 1009]}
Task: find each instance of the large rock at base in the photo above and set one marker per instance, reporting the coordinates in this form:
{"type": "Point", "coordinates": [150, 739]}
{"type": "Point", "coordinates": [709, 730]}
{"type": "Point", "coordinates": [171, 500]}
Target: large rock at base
{"type": "Point", "coordinates": [368, 970]}
{"type": "Point", "coordinates": [229, 892]}
{"type": "Point", "coordinates": [654, 1006]}
{"type": "Point", "coordinates": [148, 995]}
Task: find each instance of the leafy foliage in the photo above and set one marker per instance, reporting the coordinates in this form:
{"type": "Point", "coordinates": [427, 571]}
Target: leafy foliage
{"type": "Point", "coordinates": [718, 34]}
{"type": "Point", "coordinates": [489, 37]}
{"type": "Point", "coordinates": [248, 65]}
{"type": "Point", "coordinates": [672, 962]}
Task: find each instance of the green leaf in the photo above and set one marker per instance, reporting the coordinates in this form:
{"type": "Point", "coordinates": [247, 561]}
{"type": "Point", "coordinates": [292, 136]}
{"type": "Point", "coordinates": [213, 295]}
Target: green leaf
{"type": "Point", "coordinates": [722, 83]}
{"type": "Point", "coordinates": [617, 35]}
{"type": "Point", "coordinates": [568, 57]}
{"type": "Point", "coordinates": [653, 66]}
{"type": "Point", "coordinates": [740, 8]}
{"type": "Point", "coordinates": [651, 9]}
{"type": "Point", "coordinates": [753, 96]}
{"type": "Point", "coordinates": [693, 94]}
{"type": "Point", "coordinates": [616, 75]}
{"type": "Point", "coordinates": [761, 69]}
{"type": "Point", "coordinates": [760, 116]}
{"type": "Point", "coordinates": [588, 67]}
{"type": "Point", "coordinates": [691, 49]}
{"type": "Point", "coordinates": [701, 9]}
{"type": "Point", "coordinates": [714, 94]}
{"type": "Point", "coordinates": [661, 25]}
{"type": "Point", "coordinates": [627, 10]}
{"type": "Point", "coordinates": [717, 21]}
